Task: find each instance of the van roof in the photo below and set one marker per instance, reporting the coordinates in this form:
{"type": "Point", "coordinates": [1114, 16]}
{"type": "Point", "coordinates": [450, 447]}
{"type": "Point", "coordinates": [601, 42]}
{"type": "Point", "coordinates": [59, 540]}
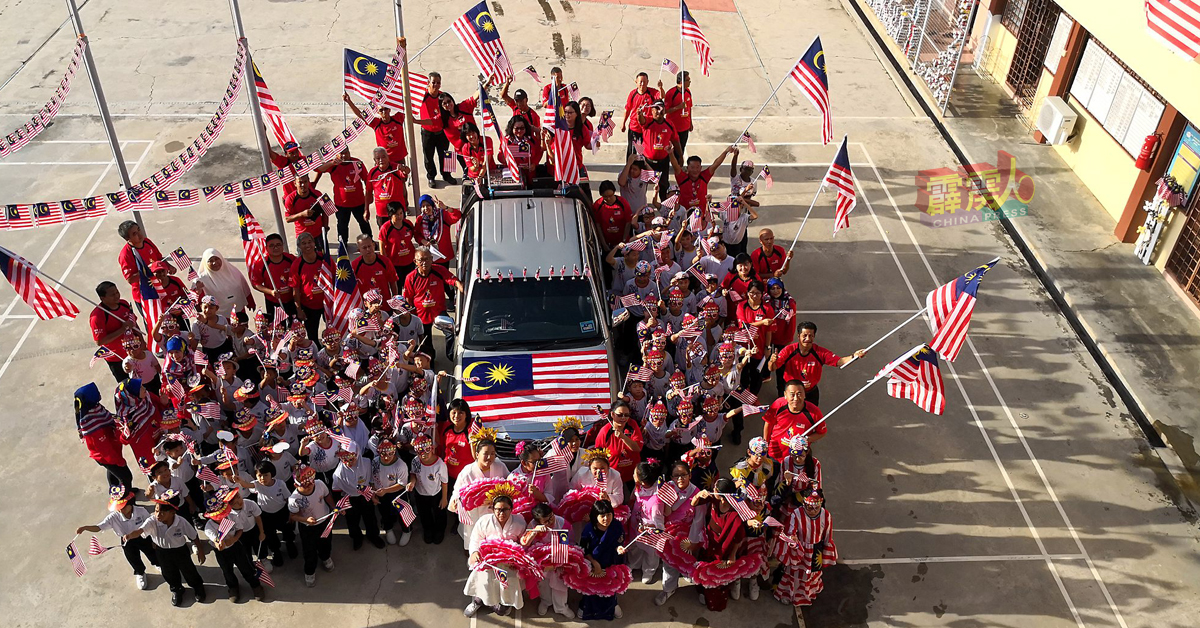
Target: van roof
{"type": "Point", "coordinates": [529, 233]}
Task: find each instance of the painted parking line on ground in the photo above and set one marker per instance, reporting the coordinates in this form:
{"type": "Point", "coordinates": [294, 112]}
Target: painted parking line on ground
{"type": "Point", "coordinates": [1001, 558]}
{"type": "Point", "coordinates": [1003, 404]}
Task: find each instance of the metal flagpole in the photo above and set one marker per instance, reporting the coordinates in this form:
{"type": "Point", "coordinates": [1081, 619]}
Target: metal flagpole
{"type": "Point", "coordinates": [806, 214]}
{"type": "Point", "coordinates": [406, 110]}
{"type": "Point", "coordinates": [885, 336]}
{"type": "Point", "coordinates": [887, 370]}
{"type": "Point", "coordinates": [260, 132]}
{"type": "Point", "coordinates": [28, 264]}
{"type": "Point", "coordinates": [681, 62]}
{"type": "Point", "coordinates": [764, 106]}
{"type": "Point", "coordinates": [102, 104]}
{"type": "Point", "coordinates": [487, 170]}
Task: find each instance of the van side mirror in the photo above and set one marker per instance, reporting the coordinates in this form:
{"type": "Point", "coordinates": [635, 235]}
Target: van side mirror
{"type": "Point", "coordinates": [444, 323]}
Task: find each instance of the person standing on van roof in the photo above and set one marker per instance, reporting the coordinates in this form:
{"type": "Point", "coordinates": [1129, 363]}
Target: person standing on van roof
{"type": "Point", "coordinates": [613, 215]}
{"type": "Point", "coordinates": [425, 290]}
{"type": "Point", "coordinates": [432, 228]}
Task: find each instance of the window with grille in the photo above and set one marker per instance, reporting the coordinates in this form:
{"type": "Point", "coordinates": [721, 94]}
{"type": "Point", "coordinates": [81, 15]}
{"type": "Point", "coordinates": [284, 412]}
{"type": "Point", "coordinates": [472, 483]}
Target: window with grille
{"type": "Point", "coordinates": [1014, 12]}
{"type": "Point", "coordinates": [1184, 262]}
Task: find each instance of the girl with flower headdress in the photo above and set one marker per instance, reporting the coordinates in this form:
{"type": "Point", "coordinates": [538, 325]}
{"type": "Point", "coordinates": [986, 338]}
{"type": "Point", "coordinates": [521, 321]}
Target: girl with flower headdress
{"type": "Point", "coordinates": [531, 470]}
{"type": "Point", "coordinates": [598, 474]}
{"type": "Point", "coordinates": [485, 466]}
{"type": "Point", "coordinates": [681, 524]}
{"type": "Point", "coordinates": [804, 550]}
{"type": "Point", "coordinates": [498, 585]}
{"type": "Point", "coordinates": [570, 440]}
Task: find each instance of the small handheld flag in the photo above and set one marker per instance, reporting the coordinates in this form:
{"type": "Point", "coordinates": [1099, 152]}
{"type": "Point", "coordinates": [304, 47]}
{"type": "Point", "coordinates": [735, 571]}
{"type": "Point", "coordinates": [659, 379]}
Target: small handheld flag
{"type": "Point", "coordinates": [76, 559]}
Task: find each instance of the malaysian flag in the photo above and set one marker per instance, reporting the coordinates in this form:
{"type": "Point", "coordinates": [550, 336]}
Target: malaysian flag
{"type": "Point", "coordinates": [274, 115]}
{"type": "Point", "coordinates": [538, 386]}
{"type": "Point", "coordinates": [95, 548]}
{"type": "Point", "coordinates": [669, 66]}
{"type": "Point", "coordinates": [345, 295]}
{"type": "Point", "coordinates": [630, 300]}
{"type": "Point", "coordinates": [697, 271]}
{"type": "Point", "coordinates": [152, 305]}
{"type": "Point", "coordinates": [367, 492]}
{"type": "Point", "coordinates": [76, 559]}
{"type": "Point", "coordinates": [406, 511]}
{"type": "Point", "coordinates": [345, 394]}
{"type": "Point", "coordinates": [212, 411]}
{"type": "Point", "coordinates": [262, 574]}
{"type": "Point", "coordinates": [19, 216]}
{"type": "Point", "coordinates": [200, 358]}
{"type": "Point", "coordinates": [180, 259]}
{"type": "Point", "coordinates": [840, 177]}
{"type": "Point", "coordinates": [102, 353]}
{"type": "Point", "coordinates": [690, 31]}
{"type": "Point", "coordinates": [529, 69]}
{"type": "Point", "coordinates": [46, 302]}
{"type": "Point", "coordinates": [253, 240]}
{"type": "Point", "coordinates": [810, 76]}
{"type": "Point", "coordinates": [418, 86]}
{"type": "Point", "coordinates": [170, 199]}
{"type": "Point", "coordinates": [919, 380]}
{"type": "Point", "coordinates": [1176, 23]}
{"type": "Point", "coordinates": [556, 463]}
{"type": "Point", "coordinates": [766, 175]}
{"type": "Point", "coordinates": [206, 474]}
{"type": "Point", "coordinates": [739, 504]}
{"type": "Point", "coordinates": [639, 373]}
{"type": "Point", "coordinates": [749, 142]}
{"type": "Point", "coordinates": [478, 33]}
{"type": "Point", "coordinates": [47, 214]}
{"type": "Point", "coordinates": [341, 439]}
{"type": "Point", "coordinates": [566, 169]}
{"type": "Point", "coordinates": [655, 538]}
{"type": "Point", "coordinates": [950, 308]}
{"type": "Point", "coordinates": [365, 75]}
{"type": "Point", "coordinates": [490, 122]}
{"type": "Point", "coordinates": [225, 526]}
{"type": "Point", "coordinates": [744, 396]}
{"type": "Point", "coordinates": [667, 493]}
{"type": "Point", "coordinates": [559, 542]}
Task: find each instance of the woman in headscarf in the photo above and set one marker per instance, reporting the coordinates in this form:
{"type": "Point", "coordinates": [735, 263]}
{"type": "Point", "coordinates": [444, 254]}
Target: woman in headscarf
{"type": "Point", "coordinates": [224, 282]}
{"type": "Point", "coordinates": [98, 430]}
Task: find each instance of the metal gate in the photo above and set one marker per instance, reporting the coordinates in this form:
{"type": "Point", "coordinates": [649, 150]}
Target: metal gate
{"type": "Point", "coordinates": [1184, 261]}
{"type": "Point", "coordinates": [1033, 39]}
{"type": "Point", "coordinates": [932, 34]}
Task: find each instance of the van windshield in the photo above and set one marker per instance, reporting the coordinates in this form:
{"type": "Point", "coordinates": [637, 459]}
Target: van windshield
{"type": "Point", "coordinates": [529, 314]}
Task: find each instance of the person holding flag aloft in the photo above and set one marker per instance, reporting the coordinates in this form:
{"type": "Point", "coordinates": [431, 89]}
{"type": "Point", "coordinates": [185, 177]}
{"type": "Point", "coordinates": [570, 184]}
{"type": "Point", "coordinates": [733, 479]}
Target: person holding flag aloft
{"type": "Point", "coordinates": [804, 360]}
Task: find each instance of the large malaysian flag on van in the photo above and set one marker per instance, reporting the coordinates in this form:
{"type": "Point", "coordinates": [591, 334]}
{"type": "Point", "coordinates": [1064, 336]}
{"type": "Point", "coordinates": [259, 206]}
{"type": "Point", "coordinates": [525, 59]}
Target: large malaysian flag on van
{"type": "Point", "coordinates": [545, 385]}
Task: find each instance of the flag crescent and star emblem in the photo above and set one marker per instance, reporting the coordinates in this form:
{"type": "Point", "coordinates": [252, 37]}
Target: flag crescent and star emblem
{"type": "Point", "coordinates": [371, 69]}
{"type": "Point", "coordinates": [496, 374]}
{"type": "Point", "coordinates": [487, 24]}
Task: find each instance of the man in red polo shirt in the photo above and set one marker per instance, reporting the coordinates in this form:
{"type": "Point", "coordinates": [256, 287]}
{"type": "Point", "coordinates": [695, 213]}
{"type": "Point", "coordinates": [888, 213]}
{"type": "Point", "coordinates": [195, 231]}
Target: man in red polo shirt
{"type": "Point", "coordinates": [303, 209]}
{"type": "Point", "coordinates": [389, 130]}
{"type": "Point", "coordinates": [349, 177]}
{"type": "Point", "coordinates": [770, 260]}
{"type": "Point", "coordinates": [693, 181]}
{"type": "Point", "coordinates": [137, 247]}
{"type": "Point", "coordinates": [397, 241]}
{"type": "Point", "coordinates": [387, 182]}
{"type": "Point", "coordinates": [373, 270]}
{"type": "Point", "coordinates": [519, 104]}
{"type": "Point", "coordinates": [291, 154]}
{"type": "Point", "coordinates": [425, 289]}
{"type": "Point", "coordinates": [433, 133]}
{"type": "Point", "coordinates": [790, 415]}
{"type": "Point", "coordinates": [679, 106]}
{"type": "Point", "coordinates": [271, 277]}
{"type": "Point", "coordinates": [804, 360]}
{"type": "Point", "coordinates": [622, 439]}
{"type": "Point", "coordinates": [659, 142]}
{"type": "Point", "coordinates": [637, 107]}
{"type": "Point", "coordinates": [109, 322]}
{"type": "Point", "coordinates": [556, 81]}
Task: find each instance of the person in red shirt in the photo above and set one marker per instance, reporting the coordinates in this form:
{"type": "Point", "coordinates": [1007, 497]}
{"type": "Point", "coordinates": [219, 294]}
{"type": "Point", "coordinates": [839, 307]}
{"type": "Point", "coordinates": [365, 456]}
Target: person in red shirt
{"type": "Point", "coordinates": [303, 209]}
{"type": "Point", "coordinates": [387, 187]}
{"type": "Point", "coordinates": [526, 146]}
{"type": "Point", "coordinates": [612, 215]}
{"type": "Point", "coordinates": [789, 416]}
{"type": "Point", "coordinates": [804, 360]}
{"type": "Point", "coordinates": [477, 153]}
{"type": "Point", "coordinates": [173, 289]}
{"type": "Point", "coordinates": [769, 259]}
{"type": "Point", "coordinates": [389, 130]}
{"type": "Point", "coordinates": [454, 441]}
{"type": "Point", "coordinates": [432, 228]}
{"type": "Point", "coordinates": [397, 241]}
{"type": "Point", "coordinates": [519, 104]}
{"type": "Point", "coordinates": [759, 319]}
{"type": "Point", "coordinates": [693, 181]}
{"type": "Point", "coordinates": [271, 278]}
{"type": "Point", "coordinates": [679, 106]}
{"type": "Point", "coordinates": [349, 177]}
{"type": "Point", "coordinates": [137, 248]}
{"type": "Point", "coordinates": [637, 106]}
{"type": "Point", "coordinates": [737, 283]}
{"type": "Point", "coordinates": [622, 439]}
{"type": "Point", "coordinates": [659, 142]}
{"type": "Point", "coordinates": [374, 271]}
{"type": "Point", "coordinates": [109, 321]}
{"type": "Point", "coordinates": [425, 290]}
{"type": "Point", "coordinates": [291, 154]}
{"type": "Point", "coordinates": [556, 82]}
{"type": "Point", "coordinates": [433, 134]}
{"type": "Point", "coordinates": [455, 116]}
{"type": "Point", "coordinates": [580, 137]}
{"type": "Point", "coordinates": [303, 277]}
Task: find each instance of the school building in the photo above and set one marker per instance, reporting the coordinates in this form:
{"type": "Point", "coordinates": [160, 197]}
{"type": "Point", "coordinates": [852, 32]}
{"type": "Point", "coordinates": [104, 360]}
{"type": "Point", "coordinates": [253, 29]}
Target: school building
{"type": "Point", "coordinates": [1131, 97]}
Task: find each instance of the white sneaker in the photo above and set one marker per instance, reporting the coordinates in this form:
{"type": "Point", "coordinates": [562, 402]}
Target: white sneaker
{"type": "Point", "coordinates": [662, 597]}
{"type": "Point", "coordinates": [267, 566]}
{"type": "Point", "coordinates": [754, 588]}
{"type": "Point", "coordinates": [735, 590]}
{"type": "Point", "coordinates": [543, 606]}
{"type": "Point", "coordinates": [404, 538]}
{"type": "Point", "coordinates": [648, 576]}
{"type": "Point", "coordinates": [328, 564]}
{"type": "Point", "coordinates": [391, 537]}
{"type": "Point", "coordinates": [472, 608]}
{"type": "Point", "coordinates": [141, 581]}
{"type": "Point", "coordinates": [702, 602]}
{"type": "Point", "coordinates": [568, 613]}
{"type": "Point", "coordinates": [617, 614]}
{"type": "Point", "coordinates": [310, 580]}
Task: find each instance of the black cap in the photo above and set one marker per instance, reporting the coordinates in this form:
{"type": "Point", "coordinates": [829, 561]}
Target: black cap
{"type": "Point", "coordinates": [519, 94]}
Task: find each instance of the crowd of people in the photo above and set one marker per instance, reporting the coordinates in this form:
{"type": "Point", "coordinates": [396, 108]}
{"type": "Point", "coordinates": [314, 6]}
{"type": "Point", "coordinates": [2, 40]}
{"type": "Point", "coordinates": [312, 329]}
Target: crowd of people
{"type": "Point", "coordinates": [253, 441]}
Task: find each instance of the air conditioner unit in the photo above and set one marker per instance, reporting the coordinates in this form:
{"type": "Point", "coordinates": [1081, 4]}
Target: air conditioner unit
{"type": "Point", "coordinates": [1056, 120]}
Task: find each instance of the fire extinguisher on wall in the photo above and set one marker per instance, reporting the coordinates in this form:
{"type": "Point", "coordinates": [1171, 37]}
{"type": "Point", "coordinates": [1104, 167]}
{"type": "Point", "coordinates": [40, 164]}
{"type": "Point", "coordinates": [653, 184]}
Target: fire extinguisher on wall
{"type": "Point", "coordinates": [1149, 148]}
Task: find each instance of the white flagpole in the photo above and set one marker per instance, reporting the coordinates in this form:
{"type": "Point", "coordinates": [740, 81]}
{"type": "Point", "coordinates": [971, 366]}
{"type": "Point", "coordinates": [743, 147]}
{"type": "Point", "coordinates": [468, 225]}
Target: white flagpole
{"type": "Point", "coordinates": [681, 59]}
{"type": "Point", "coordinates": [806, 215]}
{"type": "Point", "coordinates": [881, 339]}
{"type": "Point", "coordinates": [882, 374]}
{"type": "Point", "coordinates": [28, 264]}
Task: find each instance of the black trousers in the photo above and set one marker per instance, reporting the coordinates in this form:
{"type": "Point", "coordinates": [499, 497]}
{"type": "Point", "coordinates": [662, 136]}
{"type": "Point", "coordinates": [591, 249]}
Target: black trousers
{"type": "Point", "coordinates": [389, 516]}
{"type": "Point", "coordinates": [236, 555]}
{"type": "Point", "coordinates": [343, 221]}
{"type": "Point", "coordinates": [813, 396]}
{"type": "Point", "coordinates": [118, 475]}
{"type": "Point", "coordinates": [312, 323]}
{"type": "Point", "coordinates": [289, 307]}
{"type": "Point", "coordinates": [134, 548]}
{"type": "Point", "coordinates": [176, 565]}
{"type": "Point", "coordinates": [431, 142]}
{"type": "Point", "coordinates": [683, 138]}
{"type": "Point", "coordinates": [277, 524]}
{"type": "Point", "coordinates": [432, 518]}
{"type": "Point", "coordinates": [118, 371]}
{"type": "Point", "coordinates": [315, 548]}
{"type": "Point", "coordinates": [662, 167]}
{"type": "Point", "coordinates": [362, 512]}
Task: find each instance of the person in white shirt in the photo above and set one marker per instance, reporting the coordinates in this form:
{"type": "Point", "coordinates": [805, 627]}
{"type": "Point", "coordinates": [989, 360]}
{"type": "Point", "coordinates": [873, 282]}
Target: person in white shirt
{"type": "Point", "coordinates": [350, 478]}
{"type": "Point", "coordinates": [390, 477]}
{"type": "Point", "coordinates": [272, 493]}
{"type": "Point", "coordinates": [483, 586]}
{"type": "Point", "coordinates": [430, 479]}
{"type": "Point", "coordinates": [486, 466]}
{"type": "Point", "coordinates": [551, 589]}
{"type": "Point", "coordinates": [309, 503]}
{"type": "Point", "coordinates": [228, 548]}
{"type": "Point", "coordinates": [170, 534]}
{"type": "Point", "coordinates": [597, 474]}
{"type": "Point", "coordinates": [123, 518]}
